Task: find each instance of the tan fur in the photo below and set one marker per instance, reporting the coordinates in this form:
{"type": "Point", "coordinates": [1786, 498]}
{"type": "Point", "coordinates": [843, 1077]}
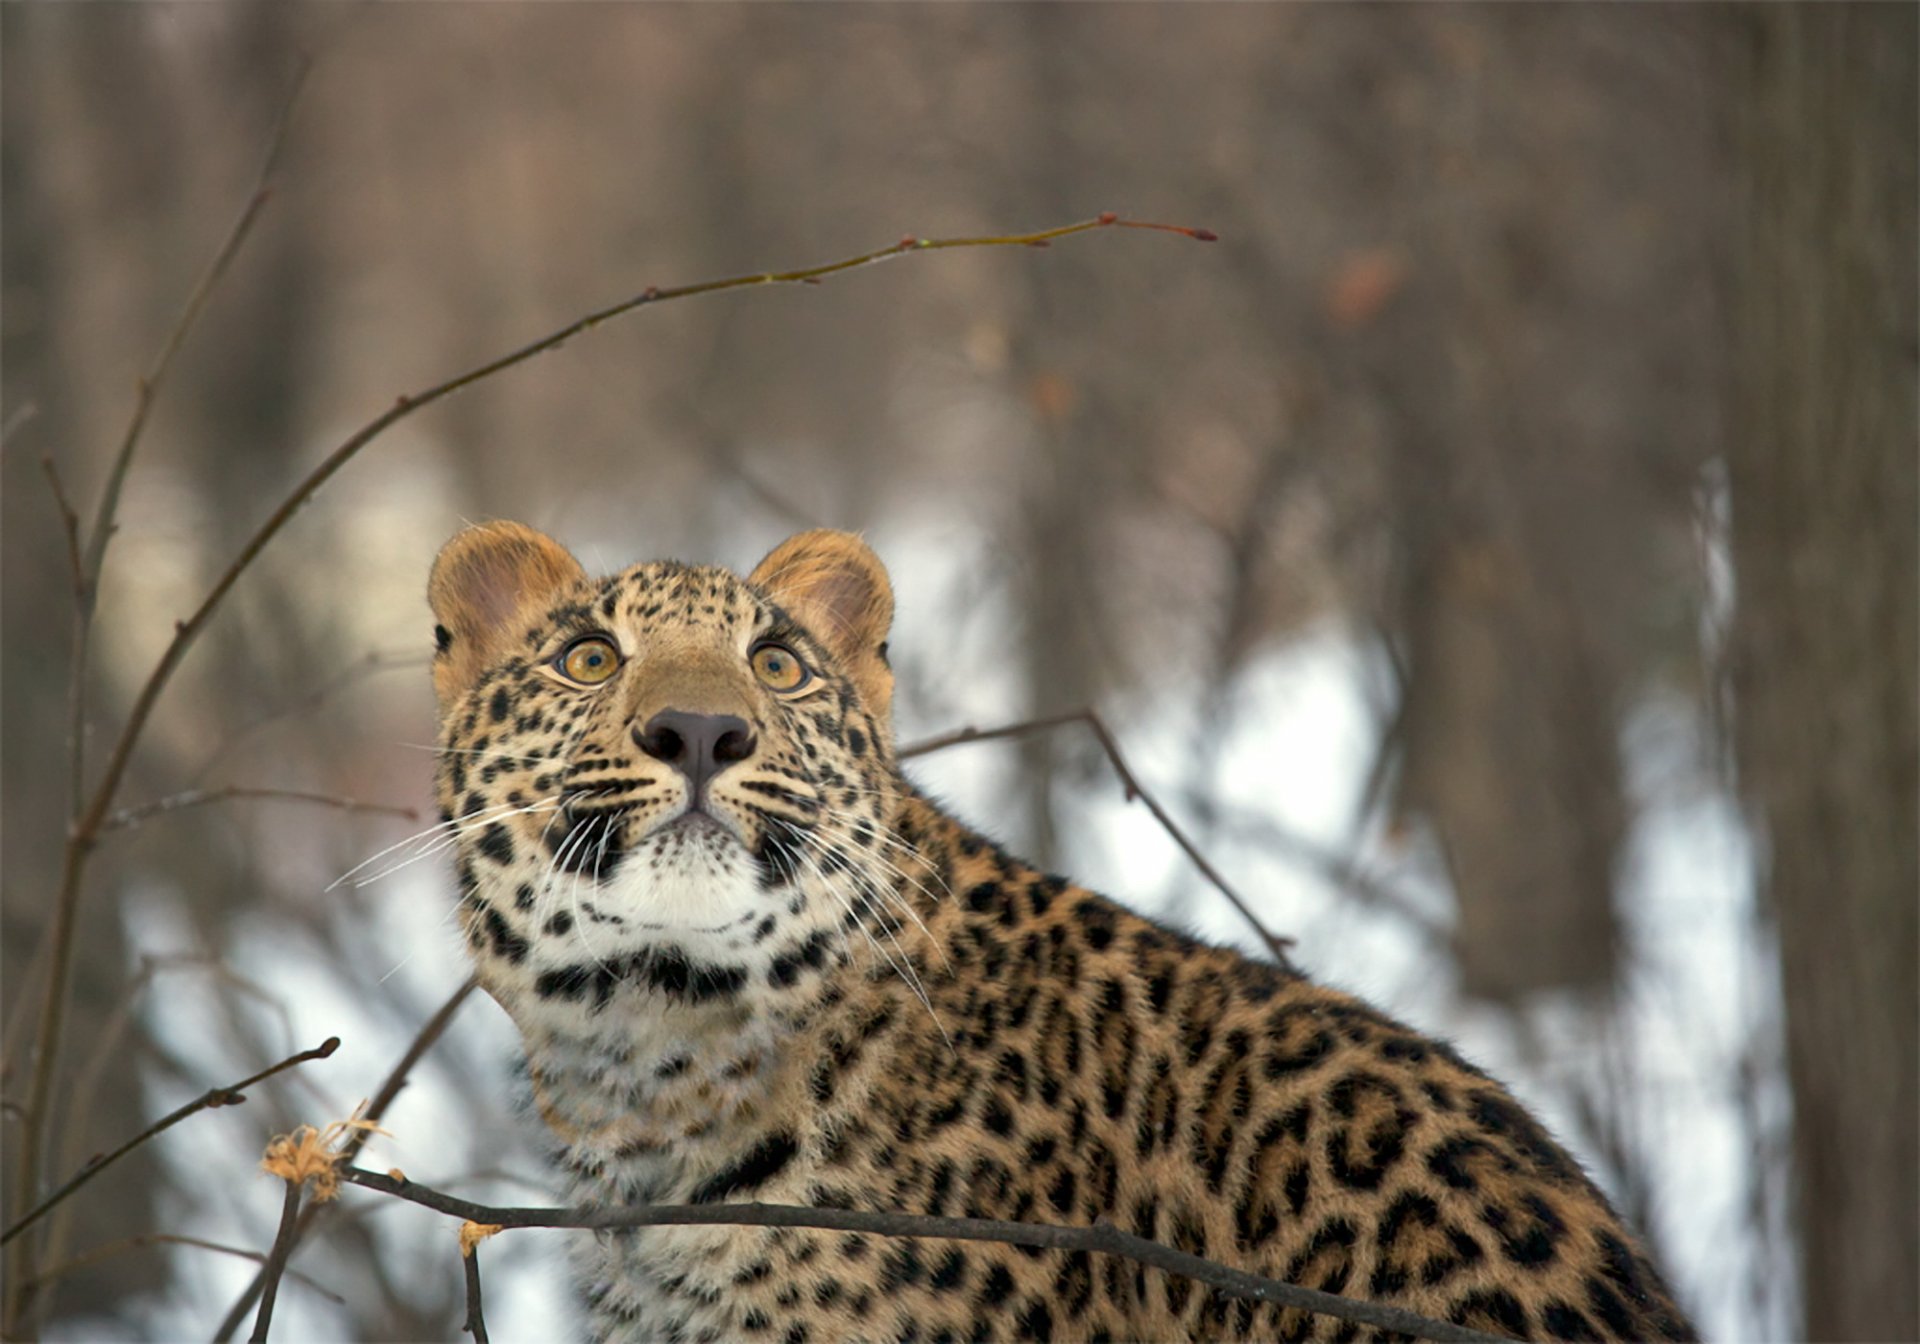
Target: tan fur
{"type": "Point", "coordinates": [487, 583]}
{"type": "Point", "coordinates": [671, 676]}
{"type": "Point", "coordinates": [835, 584]}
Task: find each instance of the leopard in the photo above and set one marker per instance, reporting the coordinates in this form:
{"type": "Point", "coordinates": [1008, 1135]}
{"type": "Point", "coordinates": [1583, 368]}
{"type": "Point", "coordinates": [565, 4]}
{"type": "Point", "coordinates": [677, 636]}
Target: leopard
{"type": "Point", "coordinates": [750, 961]}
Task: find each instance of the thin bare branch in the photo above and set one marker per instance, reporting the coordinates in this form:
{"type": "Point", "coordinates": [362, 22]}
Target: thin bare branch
{"type": "Point", "coordinates": [133, 816]}
{"type": "Point", "coordinates": [76, 643]}
{"type": "Point", "coordinates": [1336, 867]}
{"type": "Point", "coordinates": [155, 378]}
{"type": "Point", "coordinates": [1276, 944]}
{"type": "Point", "coordinates": [230, 1095]}
{"type": "Point", "coordinates": [370, 664]}
{"type": "Point", "coordinates": [107, 1052]}
{"type": "Point", "coordinates": [22, 416]}
{"type": "Point", "coordinates": [1103, 1238]}
{"type": "Point", "coordinates": [423, 1041]}
{"type": "Point", "coordinates": [70, 524]}
{"type": "Point", "coordinates": [114, 1249]}
{"type": "Point", "coordinates": [476, 1324]}
{"type": "Point", "coordinates": [276, 1264]}
{"type": "Point", "coordinates": [81, 830]}
{"type": "Point", "coordinates": [20, 1016]}
{"type": "Point", "coordinates": [961, 736]}
{"type": "Point", "coordinates": [428, 1035]}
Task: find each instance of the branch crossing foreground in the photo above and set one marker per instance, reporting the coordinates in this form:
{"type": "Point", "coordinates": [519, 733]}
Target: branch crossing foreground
{"type": "Point", "coordinates": [484, 1220]}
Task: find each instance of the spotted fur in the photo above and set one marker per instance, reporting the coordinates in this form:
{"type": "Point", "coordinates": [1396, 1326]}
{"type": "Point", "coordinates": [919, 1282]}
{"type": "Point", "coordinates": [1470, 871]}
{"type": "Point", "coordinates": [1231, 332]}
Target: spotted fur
{"type": "Point", "coordinates": [819, 988]}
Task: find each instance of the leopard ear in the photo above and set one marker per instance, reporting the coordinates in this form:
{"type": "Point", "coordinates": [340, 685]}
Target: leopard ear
{"type": "Point", "coordinates": [485, 584]}
{"type": "Point", "coordinates": [836, 585]}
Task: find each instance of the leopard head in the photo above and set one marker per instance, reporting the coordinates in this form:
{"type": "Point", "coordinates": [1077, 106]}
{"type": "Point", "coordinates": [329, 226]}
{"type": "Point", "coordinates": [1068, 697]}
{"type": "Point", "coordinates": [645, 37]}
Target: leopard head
{"type": "Point", "coordinates": [668, 788]}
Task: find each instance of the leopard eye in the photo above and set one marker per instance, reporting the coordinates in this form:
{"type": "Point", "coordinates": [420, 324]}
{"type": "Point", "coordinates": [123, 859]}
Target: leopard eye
{"type": "Point", "coordinates": [589, 660]}
{"type": "Point", "coordinates": [779, 667]}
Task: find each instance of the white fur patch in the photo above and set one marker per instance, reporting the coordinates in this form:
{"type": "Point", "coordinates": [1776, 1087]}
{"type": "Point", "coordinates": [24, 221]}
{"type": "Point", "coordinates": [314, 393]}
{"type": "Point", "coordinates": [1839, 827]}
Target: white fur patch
{"type": "Point", "coordinates": [690, 884]}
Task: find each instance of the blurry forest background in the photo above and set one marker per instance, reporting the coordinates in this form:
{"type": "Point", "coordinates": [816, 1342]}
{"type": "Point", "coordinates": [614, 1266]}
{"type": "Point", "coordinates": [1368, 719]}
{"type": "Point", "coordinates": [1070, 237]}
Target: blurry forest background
{"type": "Point", "coordinates": [1498, 549]}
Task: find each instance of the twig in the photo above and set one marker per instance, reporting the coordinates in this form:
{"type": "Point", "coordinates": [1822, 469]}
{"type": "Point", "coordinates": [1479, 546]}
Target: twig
{"type": "Point", "coordinates": [422, 1042]}
{"type": "Point", "coordinates": [1276, 944]}
{"type": "Point", "coordinates": [1102, 1238]}
{"type": "Point", "coordinates": [723, 456]}
{"type": "Point", "coordinates": [276, 1262]}
{"type": "Point", "coordinates": [132, 816]}
{"type": "Point", "coordinates": [156, 375]}
{"type": "Point", "coordinates": [372, 663]}
{"type": "Point", "coordinates": [82, 828]}
{"type": "Point", "coordinates": [1389, 751]}
{"type": "Point", "coordinates": [209, 1100]}
{"type": "Point", "coordinates": [23, 415]}
{"type": "Point", "coordinates": [1338, 868]}
{"type": "Point", "coordinates": [117, 1248]}
{"type": "Point", "coordinates": [70, 524]}
{"type": "Point", "coordinates": [962, 736]}
{"type": "Point", "coordinates": [27, 991]}
{"type": "Point", "coordinates": [84, 1085]}
{"type": "Point", "coordinates": [476, 1320]}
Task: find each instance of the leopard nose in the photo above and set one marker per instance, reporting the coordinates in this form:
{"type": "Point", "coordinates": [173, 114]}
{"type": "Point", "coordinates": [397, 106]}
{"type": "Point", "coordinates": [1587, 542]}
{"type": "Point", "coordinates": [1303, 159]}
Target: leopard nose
{"type": "Point", "coordinates": [699, 746]}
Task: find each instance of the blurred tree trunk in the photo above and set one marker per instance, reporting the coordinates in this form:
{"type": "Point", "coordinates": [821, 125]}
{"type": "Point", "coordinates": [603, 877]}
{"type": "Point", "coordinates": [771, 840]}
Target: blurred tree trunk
{"type": "Point", "coordinates": [1068, 499]}
{"type": "Point", "coordinates": [1509, 722]}
{"type": "Point", "coordinates": [1824, 506]}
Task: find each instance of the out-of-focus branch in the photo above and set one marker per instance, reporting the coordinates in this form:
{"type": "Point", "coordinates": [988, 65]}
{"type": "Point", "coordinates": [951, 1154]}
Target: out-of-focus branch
{"type": "Point", "coordinates": [22, 416]}
{"type": "Point", "coordinates": [133, 816]}
{"type": "Point", "coordinates": [1334, 866]}
{"type": "Point", "coordinates": [471, 1235]}
{"type": "Point", "coordinates": [1276, 944]}
{"type": "Point", "coordinates": [105, 516]}
{"type": "Point", "coordinates": [230, 1095]}
{"type": "Point", "coordinates": [1102, 1238]}
{"type": "Point", "coordinates": [70, 525]}
{"type": "Point", "coordinates": [276, 1264]}
{"type": "Point", "coordinates": [113, 1249]}
{"type": "Point", "coordinates": [423, 1041]}
{"type": "Point", "coordinates": [370, 664]}
{"type": "Point", "coordinates": [108, 1051]}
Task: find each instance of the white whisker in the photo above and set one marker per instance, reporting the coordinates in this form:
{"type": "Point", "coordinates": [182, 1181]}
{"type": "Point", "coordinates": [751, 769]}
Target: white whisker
{"type": "Point", "coordinates": [436, 837]}
{"type": "Point", "coordinates": [902, 967]}
{"type": "Point", "coordinates": [894, 897]}
{"type": "Point", "coordinates": [868, 893]}
{"type": "Point", "coordinates": [530, 759]}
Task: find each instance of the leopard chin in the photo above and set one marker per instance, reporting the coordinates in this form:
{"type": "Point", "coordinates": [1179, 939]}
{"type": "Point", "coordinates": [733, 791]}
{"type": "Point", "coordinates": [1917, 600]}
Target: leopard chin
{"type": "Point", "coordinates": [690, 880]}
